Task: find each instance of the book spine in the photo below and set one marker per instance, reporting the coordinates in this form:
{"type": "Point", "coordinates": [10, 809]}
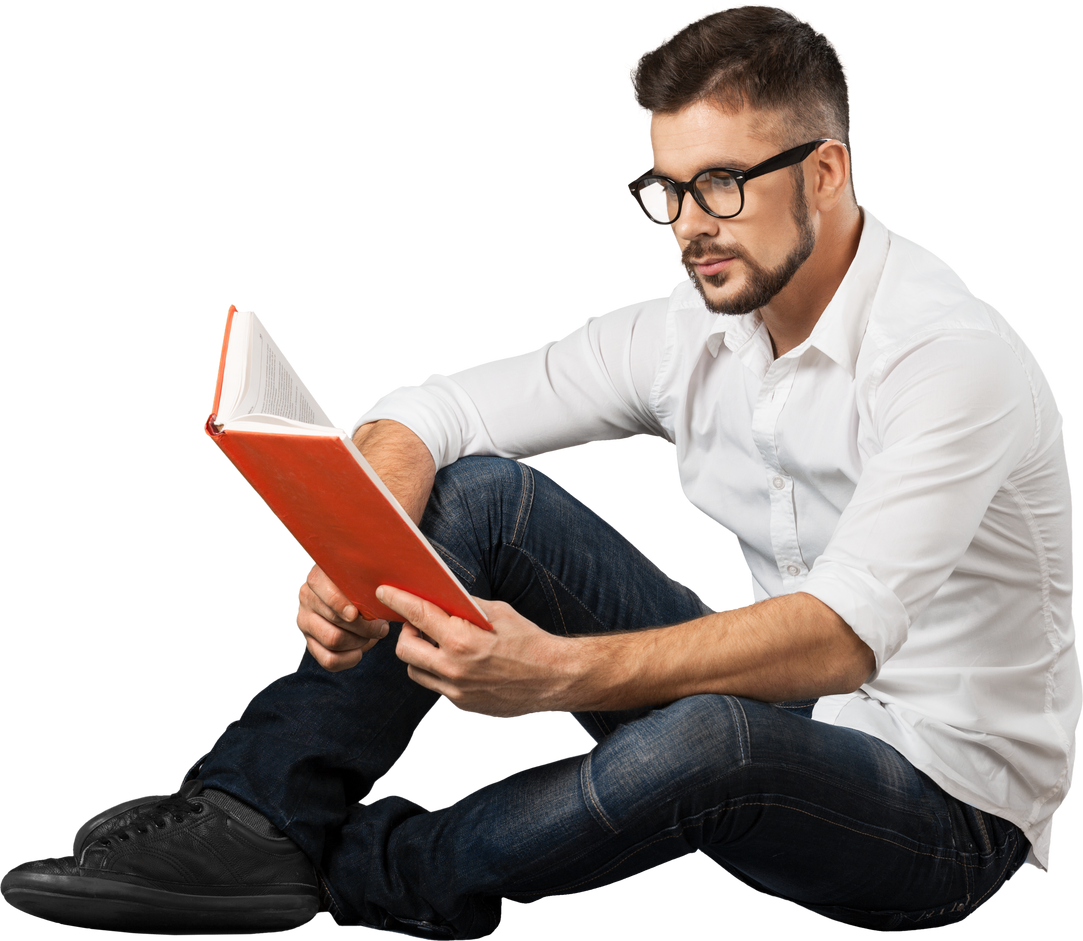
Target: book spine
{"type": "Point", "coordinates": [221, 371]}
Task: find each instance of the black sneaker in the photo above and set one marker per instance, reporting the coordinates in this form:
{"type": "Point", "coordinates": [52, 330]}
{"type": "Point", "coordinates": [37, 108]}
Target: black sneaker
{"type": "Point", "coordinates": [199, 862]}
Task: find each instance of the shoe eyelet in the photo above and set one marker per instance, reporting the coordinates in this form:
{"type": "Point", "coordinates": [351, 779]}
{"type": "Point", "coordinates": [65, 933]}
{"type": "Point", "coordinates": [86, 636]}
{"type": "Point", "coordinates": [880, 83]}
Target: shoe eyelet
{"type": "Point", "coordinates": [177, 818]}
{"type": "Point", "coordinates": [197, 808]}
{"type": "Point", "coordinates": [123, 836]}
{"type": "Point", "coordinates": [159, 824]}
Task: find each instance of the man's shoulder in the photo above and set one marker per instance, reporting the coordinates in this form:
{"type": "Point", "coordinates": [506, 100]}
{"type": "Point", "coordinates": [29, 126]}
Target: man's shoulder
{"type": "Point", "coordinates": [918, 298]}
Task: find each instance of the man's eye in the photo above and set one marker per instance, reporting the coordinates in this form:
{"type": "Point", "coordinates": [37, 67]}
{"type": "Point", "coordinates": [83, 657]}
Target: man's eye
{"type": "Point", "coordinates": [719, 180]}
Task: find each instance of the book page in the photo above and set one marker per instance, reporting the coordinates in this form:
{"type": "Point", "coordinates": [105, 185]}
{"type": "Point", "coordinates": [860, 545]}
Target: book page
{"type": "Point", "coordinates": [270, 386]}
{"type": "Point", "coordinates": [235, 366]}
{"type": "Point", "coordinates": [275, 424]}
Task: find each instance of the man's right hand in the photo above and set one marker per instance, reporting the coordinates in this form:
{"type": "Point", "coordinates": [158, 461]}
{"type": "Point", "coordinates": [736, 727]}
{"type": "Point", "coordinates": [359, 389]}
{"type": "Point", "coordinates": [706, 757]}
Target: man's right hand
{"type": "Point", "coordinates": [335, 633]}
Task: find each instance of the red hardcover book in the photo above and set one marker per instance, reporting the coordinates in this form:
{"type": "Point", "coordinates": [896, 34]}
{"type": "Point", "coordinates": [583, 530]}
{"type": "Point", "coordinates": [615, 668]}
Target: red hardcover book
{"type": "Point", "coordinates": [317, 482]}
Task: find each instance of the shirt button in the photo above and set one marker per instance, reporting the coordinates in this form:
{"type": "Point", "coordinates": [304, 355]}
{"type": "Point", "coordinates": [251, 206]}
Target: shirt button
{"type": "Point", "coordinates": [778, 483]}
{"type": "Point", "coordinates": [793, 570]}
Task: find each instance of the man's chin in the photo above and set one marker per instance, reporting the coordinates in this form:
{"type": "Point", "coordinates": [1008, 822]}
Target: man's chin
{"type": "Point", "coordinates": [719, 294]}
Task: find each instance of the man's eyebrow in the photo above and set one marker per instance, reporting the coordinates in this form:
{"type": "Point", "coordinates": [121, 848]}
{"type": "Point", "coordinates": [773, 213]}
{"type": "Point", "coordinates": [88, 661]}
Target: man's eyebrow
{"type": "Point", "coordinates": [726, 163]}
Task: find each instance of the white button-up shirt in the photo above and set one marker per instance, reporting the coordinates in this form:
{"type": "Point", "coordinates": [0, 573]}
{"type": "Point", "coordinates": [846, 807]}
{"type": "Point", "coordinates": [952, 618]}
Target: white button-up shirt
{"type": "Point", "coordinates": [904, 464]}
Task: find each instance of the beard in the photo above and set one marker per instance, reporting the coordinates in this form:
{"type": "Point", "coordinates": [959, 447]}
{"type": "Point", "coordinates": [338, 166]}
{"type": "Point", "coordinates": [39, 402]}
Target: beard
{"type": "Point", "coordinates": [762, 284]}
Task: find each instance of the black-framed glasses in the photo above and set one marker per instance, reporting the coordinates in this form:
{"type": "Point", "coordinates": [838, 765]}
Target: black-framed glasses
{"type": "Point", "coordinates": [719, 191]}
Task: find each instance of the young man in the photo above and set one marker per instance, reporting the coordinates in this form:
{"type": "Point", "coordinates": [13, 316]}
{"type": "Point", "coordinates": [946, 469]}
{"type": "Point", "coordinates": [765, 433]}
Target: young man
{"type": "Point", "coordinates": [882, 738]}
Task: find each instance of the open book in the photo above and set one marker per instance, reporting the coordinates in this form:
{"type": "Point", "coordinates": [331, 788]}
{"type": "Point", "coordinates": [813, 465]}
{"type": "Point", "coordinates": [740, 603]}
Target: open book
{"type": "Point", "coordinates": [316, 481]}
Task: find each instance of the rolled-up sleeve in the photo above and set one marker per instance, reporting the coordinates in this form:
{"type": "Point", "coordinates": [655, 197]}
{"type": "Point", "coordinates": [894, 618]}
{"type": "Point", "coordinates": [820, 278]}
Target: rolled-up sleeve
{"type": "Point", "coordinates": [942, 442]}
{"type": "Point", "coordinates": [592, 385]}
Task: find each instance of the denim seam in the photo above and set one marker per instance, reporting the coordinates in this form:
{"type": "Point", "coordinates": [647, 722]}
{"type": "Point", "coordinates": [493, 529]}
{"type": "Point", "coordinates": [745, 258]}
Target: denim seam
{"type": "Point", "coordinates": [599, 717]}
{"type": "Point", "coordinates": [552, 578]}
{"type": "Point", "coordinates": [740, 723]}
{"type": "Point", "coordinates": [593, 806]}
{"type": "Point", "coordinates": [872, 836]}
{"type": "Point", "coordinates": [554, 605]}
{"type": "Point", "coordinates": [556, 602]}
{"type": "Point", "coordinates": [527, 496]}
{"type": "Point", "coordinates": [999, 881]}
{"type": "Point", "coordinates": [466, 573]}
{"type": "Point", "coordinates": [841, 784]}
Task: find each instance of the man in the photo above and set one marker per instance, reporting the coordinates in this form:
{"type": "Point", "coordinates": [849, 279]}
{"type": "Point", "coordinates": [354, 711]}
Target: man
{"type": "Point", "coordinates": [890, 457]}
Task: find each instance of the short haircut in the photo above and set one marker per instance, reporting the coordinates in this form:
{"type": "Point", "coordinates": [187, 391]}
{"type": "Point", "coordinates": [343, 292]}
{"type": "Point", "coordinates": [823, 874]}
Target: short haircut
{"type": "Point", "coordinates": [757, 57]}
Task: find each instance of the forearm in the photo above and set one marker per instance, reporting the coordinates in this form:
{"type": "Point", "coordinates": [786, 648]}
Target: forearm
{"type": "Point", "coordinates": [791, 647]}
{"type": "Point", "coordinates": [402, 461]}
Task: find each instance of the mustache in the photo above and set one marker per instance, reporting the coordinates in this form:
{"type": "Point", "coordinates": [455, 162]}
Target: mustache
{"type": "Point", "coordinates": [694, 251]}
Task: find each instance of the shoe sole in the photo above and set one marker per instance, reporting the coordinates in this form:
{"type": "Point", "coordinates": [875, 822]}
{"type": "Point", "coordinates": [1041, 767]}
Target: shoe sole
{"type": "Point", "coordinates": [118, 906]}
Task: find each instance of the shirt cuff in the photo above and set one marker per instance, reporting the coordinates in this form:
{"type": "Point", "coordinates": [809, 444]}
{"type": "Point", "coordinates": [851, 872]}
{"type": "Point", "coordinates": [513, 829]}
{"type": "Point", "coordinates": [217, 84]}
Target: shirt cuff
{"type": "Point", "coordinates": [434, 418]}
{"type": "Point", "coordinates": [869, 607]}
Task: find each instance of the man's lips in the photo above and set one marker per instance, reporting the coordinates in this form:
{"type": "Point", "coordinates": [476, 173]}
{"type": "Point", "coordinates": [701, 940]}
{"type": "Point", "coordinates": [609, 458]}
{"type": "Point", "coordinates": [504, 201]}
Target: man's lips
{"type": "Point", "coordinates": [709, 266]}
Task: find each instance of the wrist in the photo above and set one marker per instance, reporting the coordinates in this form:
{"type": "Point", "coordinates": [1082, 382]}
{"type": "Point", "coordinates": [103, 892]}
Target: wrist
{"type": "Point", "coordinates": [582, 673]}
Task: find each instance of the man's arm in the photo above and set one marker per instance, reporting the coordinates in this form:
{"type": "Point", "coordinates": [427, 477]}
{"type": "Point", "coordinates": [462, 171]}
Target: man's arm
{"type": "Point", "coordinates": [335, 634]}
{"type": "Point", "coordinates": [949, 437]}
{"type": "Point", "coordinates": [401, 461]}
{"type": "Point", "coordinates": [790, 647]}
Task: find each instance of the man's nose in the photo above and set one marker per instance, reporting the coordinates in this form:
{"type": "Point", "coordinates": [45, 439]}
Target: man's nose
{"type": "Point", "coordinates": [694, 222]}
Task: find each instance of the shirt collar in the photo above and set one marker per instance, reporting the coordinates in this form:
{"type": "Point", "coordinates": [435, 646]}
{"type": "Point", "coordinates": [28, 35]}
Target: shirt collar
{"type": "Point", "coordinates": [841, 327]}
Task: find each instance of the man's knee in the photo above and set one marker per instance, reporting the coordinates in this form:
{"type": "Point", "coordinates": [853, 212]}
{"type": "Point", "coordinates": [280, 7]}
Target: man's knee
{"type": "Point", "coordinates": [678, 760]}
{"type": "Point", "coordinates": [479, 492]}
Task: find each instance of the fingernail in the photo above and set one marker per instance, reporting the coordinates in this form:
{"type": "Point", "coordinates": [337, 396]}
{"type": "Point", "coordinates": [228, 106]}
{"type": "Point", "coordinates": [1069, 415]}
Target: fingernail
{"type": "Point", "coordinates": [385, 629]}
{"type": "Point", "coordinates": [380, 595]}
{"type": "Point", "coordinates": [349, 612]}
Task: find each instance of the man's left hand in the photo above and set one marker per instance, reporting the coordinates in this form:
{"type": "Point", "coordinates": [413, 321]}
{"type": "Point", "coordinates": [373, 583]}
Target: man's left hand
{"type": "Point", "coordinates": [511, 670]}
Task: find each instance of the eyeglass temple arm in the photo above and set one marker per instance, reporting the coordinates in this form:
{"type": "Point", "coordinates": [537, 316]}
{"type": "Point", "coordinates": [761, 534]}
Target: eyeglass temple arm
{"type": "Point", "coordinates": [785, 159]}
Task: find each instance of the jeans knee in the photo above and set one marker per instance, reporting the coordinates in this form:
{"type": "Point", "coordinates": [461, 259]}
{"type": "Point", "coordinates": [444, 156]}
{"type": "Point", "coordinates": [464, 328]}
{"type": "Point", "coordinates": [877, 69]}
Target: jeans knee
{"type": "Point", "coordinates": [488, 495]}
{"type": "Point", "coordinates": [478, 475]}
{"type": "Point", "coordinates": [674, 761]}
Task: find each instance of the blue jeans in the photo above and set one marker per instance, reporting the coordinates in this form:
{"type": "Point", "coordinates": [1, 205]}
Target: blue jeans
{"type": "Point", "coordinates": [831, 818]}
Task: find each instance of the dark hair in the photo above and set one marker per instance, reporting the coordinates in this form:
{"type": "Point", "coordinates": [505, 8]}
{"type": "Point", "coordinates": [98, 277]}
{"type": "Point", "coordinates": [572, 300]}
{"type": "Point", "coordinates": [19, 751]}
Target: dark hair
{"type": "Point", "coordinates": [758, 57]}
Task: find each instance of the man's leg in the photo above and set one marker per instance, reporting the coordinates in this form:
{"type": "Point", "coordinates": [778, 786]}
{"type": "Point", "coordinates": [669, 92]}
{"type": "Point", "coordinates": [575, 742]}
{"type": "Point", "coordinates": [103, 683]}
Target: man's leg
{"type": "Point", "coordinates": [313, 743]}
{"type": "Point", "coordinates": [828, 817]}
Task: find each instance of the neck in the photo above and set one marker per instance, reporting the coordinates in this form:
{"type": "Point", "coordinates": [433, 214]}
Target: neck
{"type": "Point", "coordinates": [795, 310]}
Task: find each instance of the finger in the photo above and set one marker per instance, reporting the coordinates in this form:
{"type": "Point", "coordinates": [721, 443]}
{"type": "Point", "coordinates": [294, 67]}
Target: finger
{"type": "Point", "coordinates": [422, 614]}
{"type": "Point", "coordinates": [431, 681]}
{"type": "Point", "coordinates": [313, 609]}
{"type": "Point", "coordinates": [328, 593]}
{"type": "Point", "coordinates": [333, 661]}
{"type": "Point", "coordinates": [416, 650]}
{"type": "Point", "coordinates": [331, 636]}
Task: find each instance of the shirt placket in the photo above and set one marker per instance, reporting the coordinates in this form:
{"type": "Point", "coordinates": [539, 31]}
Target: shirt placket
{"type": "Point", "coordinates": [773, 395]}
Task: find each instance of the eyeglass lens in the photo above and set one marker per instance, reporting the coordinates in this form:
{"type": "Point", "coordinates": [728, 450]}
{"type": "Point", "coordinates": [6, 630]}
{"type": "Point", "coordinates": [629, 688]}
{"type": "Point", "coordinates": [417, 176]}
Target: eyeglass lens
{"type": "Point", "coordinates": [716, 189]}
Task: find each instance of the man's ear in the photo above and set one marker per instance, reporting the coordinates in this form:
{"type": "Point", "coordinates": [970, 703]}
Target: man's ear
{"type": "Point", "coordinates": [831, 175]}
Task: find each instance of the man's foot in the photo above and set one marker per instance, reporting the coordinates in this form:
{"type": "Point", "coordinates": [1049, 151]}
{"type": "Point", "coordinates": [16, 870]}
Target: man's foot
{"type": "Point", "coordinates": [197, 862]}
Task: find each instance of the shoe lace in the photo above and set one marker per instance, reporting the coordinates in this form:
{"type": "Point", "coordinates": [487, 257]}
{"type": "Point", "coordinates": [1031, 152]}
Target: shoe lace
{"type": "Point", "coordinates": [157, 816]}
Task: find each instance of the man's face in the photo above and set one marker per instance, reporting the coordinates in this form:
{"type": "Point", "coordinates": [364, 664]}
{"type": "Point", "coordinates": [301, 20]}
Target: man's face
{"type": "Point", "coordinates": [737, 264]}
